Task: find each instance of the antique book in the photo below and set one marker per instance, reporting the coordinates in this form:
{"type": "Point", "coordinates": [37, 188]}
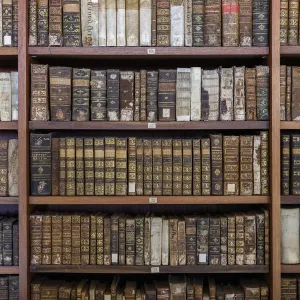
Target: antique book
{"type": "Point", "coordinates": [15, 244]}
{"type": "Point", "coordinates": [62, 167]}
{"type": "Point", "coordinates": [251, 289]}
{"type": "Point", "coordinates": [76, 240]}
{"type": "Point", "coordinates": [163, 23]}
{"type": "Point", "coordinates": [295, 107]}
{"type": "Point", "coordinates": [143, 112]}
{"type": "Point", "coordinates": [79, 165]}
{"type": "Point", "coordinates": [202, 239]}
{"type": "Point", "coordinates": [145, 23]}
{"type": "Point", "coordinates": [55, 23]}
{"type": "Point", "coordinates": [81, 94]}
{"type": "Point", "coordinates": [196, 93]}
{"type": "Point", "coordinates": [238, 292]}
{"type": "Point", "coordinates": [42, 22]}
{"type": "Point", "coordinates": [13, 168]}
{"type": "Point", "coordinates": [267, 237]}
{"type": "Point", "coordinates": [282, 92]}
{"type": "Point", "coordinates": [167, 95]}
{"type": "Point", "coordinates": [224, 240]}
{"type": "Point", "coordinates": [226, 94]}
{"type": "Point", "coordinates": [98, 95]}
{"type": "Point", "coordinates": [139, 240]}
{"type": "Point", "coordinates": [35, 239]}
{"type": "Point", "coordinates": [250, 239]}
{"type": "Point", "coordinates": [260, 238]}
{"type": "Point", "coordinates": [288, 106]}
{"type": "Point", "coordinates": [152, 93]}
{"type": "Point", "coordinates": [251, 104]}
{"type": "Point", "coordinates": [153, 23]}
{"type": "Point", "coordinates": [256, 165]}
{"type": "Point", "coordinates": [148, 167]}
{"type": "Point", "coordinates": [5, 92]}
{"type": "Point", "coordinates": [55, 166]}
{"type": "Point", "coordinates": [262, 92]}
{"type": "Point", "coordinates": [230, 23]}
{"type": "Point", "coordinates": [132, 166]}
{"type": "Point", "coordinates": [46, 240]}
{"type": "Point", "coordinates": [147, 240]}
{"type": "Point", "coordinates": [167, 163]}
{"type": "Point", "coordinates": [188, 25]}
{"type": "Point", "coordinates": [107, 240]}
{"type": "Point", "coordinates": [109, 165]}
{"type": "Point", "coordinates": [139, 167]}
{"type": "Point", "coordinates": [198, 23]}
{"type": "Point", "coordinates": [71, 23]}
{"type": "Point", "coordinates": [212, 23]}
{"type": "Point", "coordinates": [32, 19]}
{"type": "Point", "coordinates": [214, 241]}
{"type": "Point", "coordinates": [89, 167]}
{"type": "Point", "coordinates": [13, 287]}
{"type": "Point", "coordinates": [173, 240]}
{"type": "Point", "coordinates": [100, 238]}
{"type": "Point", "coordinates": [288, 288]}
{"type": "Point", "coordinates": [239, 109]}
{"type": "Point", "coordinates": [121, 166]}
{"type": "Point", "coordinates": [210, 95]}
{"type": "Point", "coordinates": [216, 164]}
{"type": "Point", "coordinates": [111, 23]}
{"type": "Point", "coordinates": [132, 22]}
{"type": "Point", "coordinates": [264, 163]}
{"type": "Point", "coordinates": [156, 241]}
{"type": "Point", "coordinates": [231, 165]}
{"type": "Point", "coordinates": [246, 165]}
{"type": "Point", "coordinates": [191, 240]}
{"type": "Point", "coordinates": [114, 232]}
{"type": "Point", "coordinates": [181, 241]}
{"type": "Point", "coordinates": [260, 23]}
{"type": "Point", "coordinates": [198, 285]}
{"type": "Point", "coordinates": [290, 252]}
{"type": "Point", "coordinates": [162, 290]}
{"type": "Point", "coordinates": [240, 240]}
{"type": "Point", "coordinates": [212, 288]}
{"type": "Point", "coordinates": [15, 8]}
{"type": "Point", "coordinates": [2, 220]}
{"type": "Point", "coordinates": [177, 23]}
{"type": "Point", "coordinates": [285, 164]}
{"type": "Point", "coordinates": [177, 287]}
{"type": "Point", "coordinates": [122, 239]}
{"type": "Point", "coordinates": [40, 164]}
{"type": "Point", "coordinates": [8, 241]}
{"type": "Point", "coordinates": [183, 94]}
{"type": "Point", "coordinates": [137, 96]}
{"type": "Point", "coordinates": [126, 95]}
{"type": "Point", "coordinates": [39, 93]}
{"type": "Point", "coordinates": [4, 286]}
{"type": "Point", "coordinates": [197, 178]}
{"type": "Point", "coordinates": [284, 22]}
{"type": "Point", "coordinates": [60, 93]}
{"type": "Point", "coordinates": [102, 23]}
{"type": "Point", "coordinates": [89, 22]}
{"type": "Point", "coordinates": [231, 239]}
{"type": "Point", "coordinates": [70, 167]}
{"type": "Point", "coordinates": [187, 167]}
{"type": "Point", "coordinates": [177, 167]}
{"type": "Point", "coordinates": [245, 23]}
{"type": "Point", "coordinates": [67, 239]}
{"type": "Point", "coordinates": [113, 83]}
{"type": "Point", "coordinates": [157, 168]}
{"type": "Point", "coordinates": [293, 22]}
{"type": "Point", "coordinates": [130, 241]}
{"type": "Point", "coordinates": [56, 239]}
{"type": "Point", "coordinates": [206, 167]}
{"type": "Point", "coordinates": [121, 23]}
{"type": "Point", "coordinates": [14, 96]}
{"type": "Point", "coordinates": [165, 242]}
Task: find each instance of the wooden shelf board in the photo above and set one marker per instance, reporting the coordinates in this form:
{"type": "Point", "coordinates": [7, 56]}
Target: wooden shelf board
{"type": "Point", "coordinates": [289, 125]}
{"type": "Point", "coordinates": [9, 270]}
{"type": "Point", "coordinates": [9, 200]}
{"type": "Point", "coordinates": [46, 200]}
{"type": "Point", "coordinates": [96, 125]}
{"type": "Point", "coordinates": [8, 51]}
{"type": "Point", "coordinates": [11, 125]}
{"type": "Point", "coordinates": [291, 199]}
{"type": "Point", "coordinates": [142, 52]}
{"type": "Point", "coordinates": [147, 269]}
{"type": "Point", "coordinates": [290, 50]}
{"type": "Point", "coordinates": [290, 268]}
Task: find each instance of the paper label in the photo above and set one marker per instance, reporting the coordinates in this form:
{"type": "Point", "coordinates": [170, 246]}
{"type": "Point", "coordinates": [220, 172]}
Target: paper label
{"type": "Point", "coordinates": [154, 269]}
{"type": "Point", "coordinates": [166, 113]}
{"type": "Point", "coordinates": [152, 200]}
{"type": "Point", "coordinates": [7, 40]}
{"type": "Point", "coordinates": [202, 258]}
{"type": "Point", "coordinates": [231, 187]}
{"type": "Point", "coordinates": [131, 187]}
{"type": "Point", "coordinates": [151, 51]}
{"type": "Point", "coordinates": [114, 258]}
{"type": "Point", "coordinates": [151, 125]}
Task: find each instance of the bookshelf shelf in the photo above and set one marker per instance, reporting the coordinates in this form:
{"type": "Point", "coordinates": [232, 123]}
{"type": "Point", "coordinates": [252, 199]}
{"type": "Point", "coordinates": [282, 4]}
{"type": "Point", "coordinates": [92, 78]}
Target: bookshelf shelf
{"type": "Point", "coordinates": [147, 269]}
{"type": "Point", "coordinates": [98, 125]}
{"type": "Point", "coordinates": [289, 125]}
{"type": "Point", "coordinates": [9, 200]}
{"type": "Point", "coordinates": [47, 200]}
{"type": "Point", "coordinates": [290, 50]}
{"type": "Point", "coordinates": [8, 51]}
{"type": "Point", "coordinates": [11, 125]}
{"type": "Point", "coordinates": [9, 270]}
{"type": "Point", "coordinates": [143, 52]}
{"type": "Point", "coordinates": [291, 199]}
{"type": "Point", "coordinates": [290, 268]}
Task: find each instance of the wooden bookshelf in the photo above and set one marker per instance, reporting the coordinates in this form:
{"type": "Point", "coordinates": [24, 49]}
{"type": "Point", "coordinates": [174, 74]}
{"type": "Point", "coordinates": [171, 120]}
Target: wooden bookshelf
{"type": "Point", "coordinates": [290, 269]}
{"type": "Point", "coordinates": [8, 52]}
{"type": "Point", "coordinates": [291, 199]}
{"type": "Point", "coordinates": [9, 270]}
{"type": "Point", "coordinates": [292, 51]}
{"type": "Point", "coordinates": [9, 200]}
{"type": "Point", "coordinates": [290, 125]}
{"type": "Point", "coordinates": [13, 125]}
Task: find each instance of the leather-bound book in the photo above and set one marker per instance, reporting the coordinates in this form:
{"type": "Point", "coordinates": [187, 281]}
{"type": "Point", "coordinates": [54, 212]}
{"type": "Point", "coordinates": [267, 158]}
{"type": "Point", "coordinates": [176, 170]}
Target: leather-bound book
{"type": "Point", "coordinates": [35, 288]}
{"type": "Point", "coordinates": [282, 92]}
{"type": "Point", "coordinates": [130, 290]}
{"type": "Point", "coordinates": [8, 241]}
{"type": "Point", "coordinates": [71, 23]}
{"type": "Point", "coordinates": [13, 287]}
{"type": "Point", "coordinates": [239, 106]}
{"type": "Point", "coordinates": [60, 93]}
{"type": "Point", "coordinates": [139, 167]}
{"type": "Point", "coordinates": [177, 23]}
{"type": "Point", "coordinates": [110, 163]}
{"type": "Point", "coordinates": [257, 165]}
{"type": "Point", "coordinates": [216, 164]}
{"type": "Point", "coordinates": [15, 23]}
{"type": "Point", "coordinates": [196, 167]}
{"type": "Point", "coordinates": [126, 95]}
{"type": "Point", "coordinates": [79, 167]}
{"type": "Point", "coordinates": [80, 289]}
{"type": "Point", "coordinates": [39, 105]}
{"type": "Point", "coordinates": [156, 241]}
{"type": "Point", "coordinates": [295, 158]}
{"type": "Point", "coordinates": [139, 240]}
{"type": "Point", "coordinates": [40, 165]}
{"type": "Point", "coordinates": [284, 22]}
{"type": "Point", "coordinates": [191, 239]}
{"type": "Point", "coordinates": [246, 165]}
{"type": "Point", "coordinates": [251, 104]}
{"type": "Point", "coordinates": [76, 240]}
{"type": "Point", "coordinates": [13, 168]}
{"type": "Point", "coordinates": [147, 240]}
{"type": "Point", "coordinates": [250, 239]}
{"type": "Point", "coordinates": [262, 92]}
{"type": "Point", "coordinates": [121, 166]}
{"type": "Point", "coordinates": [2, 220]}
{"type": "Point", "coordinates": [173, 240]}
{"type": "Point", "coordinates": [195, 94]}
{"type": "Point", "coordinates": [177, 167]}
{"type": "Point", "coordinates": [46, 239]}
{"type": "Point", "coordinates": [85, 224]}
{"type": "Point", "coordinates": [56, 239]}
{"type": "Point", "coordinates": [114, 238]}
{"type": "Point", "coordinates": [55, 23]}
{"type": "Point", "coordinates": [267, 237]}
{"type": "Point", "coordinates": [100, 238]}
{"type": "Point", "coordinates": [93, 240]}
{"type": "Point", "coordinates": [130, 241]}
{"type": "Point", "coordinates": [264, 162]}
{"type": "Point", "coordinates": [14, 95]}
{"type": "Point", "coordinates": [143, 103]}
{"type": "Point", "coordinates": [152, 92]}
{"type": "Point", "coordinates": [231, 165]}
{"type": "Point", "coordinates": [202, 239]}
{"type": "Point", "coordinates": [121, 23]}
{"type": "Point", "coordinates": [295, 94]}
{"type": "Point", "coordinates": [220, 292]}
{"type": "Point", "coordinates": [98, 95]}
{"type": "Point", "coordinates": [260, 238]}
{"type": "Point", "coordinates": [162, 290]}
{"type": "Point", "coordinates": [32, 18]}
{"type": "Point", "coordinates": [288, 288]}
{"type": "Point", "coordinates": [15, 244]}
{"type": "Point", "coordinates": [163, 23]}
{"type": "Point", "coordinates": [132, 23]}
{"type": "Point", "coordinates": [260, 23]}
{"type": "Point", "coordinates": [245, 23]}
{"type": "Point", "coordinates": [212, 288]}
{"type": "Point", "coordinates": [238, 292]}
{"type": "Point", "coordinates": [198, 23]}
{"type": "Point", "coordinates": [206, 167]}
{"type": "Point", "coordinates": [42, 22]}
{"type": "Point", "coordinates": [288, 106]}
{"type": "Point", "coordinates": [198, 284]}
{"type": "Point", "coordinates": [102, 22]}
{"type": "Point", "coordinates": [285, 164]}
{"type": "Point", "coordinates": [35, 239]}
{"type": "Point", "coordinates": [190, 289]}
{"type": "Point", "coordinates": [89, 167]}
{"type": "Point", "coordinates": [65, 290]}
{"type": "Point", "coordinates": [188, 18]}
{"type": "Point", "coordinates": [148, 167]}
{"type": "Point", "coordinates": [167, 165]}
{"type": "Point", "coordinates": [187, 167]}
{"type": "Point", "coordinates": [183, 94]}
{"type": "Point", "coordinates": [55, 166]}
{"type": "Point", "coordinates": [214, 241]}
{"type": "Point", "coordinates": [62, 167]}
{"type": "Point", "coordinates": [145, 22]}
{"type": "Point", "coordinates": [70, 167]}
{"type": "Point", "coordinates": [99, 166]}
{"type": "Point", "coordinates": [226, 94]}
{"type": "Point", "coordinates": [4, 287]}
{"type": "Point", "coordinates": [251, 289]}
{"type": "Point", "coordinates": [153, 23]}
{"type": "Point", "coordinates": [177, 287]}
{"type": "Point", "coordinates": [67, 239]}
{"type": "Point", "coordinates": [231, 239]}
{"type": "Point", "coordinates": [240, 248]}
{"type": "Point", "coordinates": [107, 240]}
{"type": "Point", "coordinates": [113, 83]}
{"type": "Point", "coordinates": [167, 95]}
{"type": "Point", "coordinates": [5, 92]}
{"type": "Point", "coordinates": [230, 23]}
{"type": "Point", "coordinates": [157, 167]}
{"type": "Point", "coordinates": [293, 22]}
{"type": "Point", "coordinates": [212, 23]}
{"type": "Point", "coordinates": [228, 291]}
{"type": "Point", "coordinates": [165, 242]}
{"type": "Point", "coordinates": [224, 240]}
{"type": "Point", "coordinates": [132, 166]}
{"type": "Point", "coordinates": [114, 287]}
{"type": "Point", "coordinates": [137, 96]}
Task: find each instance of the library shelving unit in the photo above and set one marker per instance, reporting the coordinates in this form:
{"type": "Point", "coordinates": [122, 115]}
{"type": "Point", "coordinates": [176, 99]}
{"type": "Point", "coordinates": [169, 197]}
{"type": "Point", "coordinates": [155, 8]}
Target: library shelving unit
{"type": "Point", "coordinates": [26, 55]}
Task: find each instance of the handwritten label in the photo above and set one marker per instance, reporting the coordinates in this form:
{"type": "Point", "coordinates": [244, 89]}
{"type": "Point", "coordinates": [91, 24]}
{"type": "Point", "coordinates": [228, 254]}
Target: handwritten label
{"type": "Point", "coordinates": [151, 51]}
{"type": "Point", "coordinates": [151, 125]}
{"type": "Point", "coordinates": [154, 269]}
{"type": "Point", "coordinates": [152, 200]}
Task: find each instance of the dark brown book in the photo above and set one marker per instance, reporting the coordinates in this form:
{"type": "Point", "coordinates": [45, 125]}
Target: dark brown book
{"type": "Point", "coordinates": [76, 238]}
{"type": "Point", "coordinates": [284, 20]}
{"type": "Point", "coordinates": [143, 102]}
{"type": "Point", "coordinates": [285, 164]}
{"type": "Point", "coordinates": [35, 239]}
{"type": "Point", "coordinates": [197, 167]}
{"type": "Point", "coordinates": [89, 167]}
{"type": "Point", "coordinates": [35, 288]}
{"type": "Point", "coordinates": [250, 76]}
{"type": "Point", "coordinates": [85, 229]}
{"type": "Point", "coordinates": [187, 167]}
{"type": "Point", "coordinates": [139, 167]}
{"type": "Point", "coordinates": [62, 166]}
{"type": "Point", "coordinates": [288, 288]}
{"type": "Point", "coordinates": [288, 107]}
{"type": "Point", "coordinates": [67, 239]}
{"type": "Point", "coordinates": [240, 257]}
{"type": "Point", "coordinates": [4, 167]}
{"type": "Point", "coordinates": [190, 290]}
{"type": "Point", "coordinates": [148, 167]}
{"type": "Point", "coordinates": [224, 240]}
{"type": "Point", "coordinates": [153, 23]}
{"type": "Point", "coordinates": [246, 165]}
{"type": "Point", "coordinates": [109, 165]}
{"type": "Point", "coordinates": [206, 167]}
{"type": "Point", "coordinates": [15, 9]}
{"type": "Point", "coordinates": [212, 288]}
{"type": "Point", "coordinates": [71, 23]}
{"type": "Point", "coordinates": [177, 167]}
{"type": "Point", "coordinates": [70, 167]}
{"type": "Point", "coordinates": [130, 241]}
{"type": "Point", "coordinates": [46, 239]}
{"type": "Point", "coordinates": [212, 23]}
{"type": "Point", "coordinates": [137, 96]}
{"type": "Point", "coordinates": [163, 290]}
{"type": "Point", "coordinates": [260, 238]}
{"type": "Point", "coordinates": [132, 166]}
{"type": "Point", "coordinates": [250, 239]}
{"type": "Point", "coordinates": [42, 23]}
{"type": "Point", "coordinates": [93, 240]}
{"type": "Point", "coordinates": [100, 238]}
{"type": "Point", "coordinates": [113, 94]}
{"type": "Point", "coordinates": [245, 23]}
{"type": "Point", "coordinates": [295, 109]}
{"type": "Point", "coordinates": [260, 23]}
{"type": "Point", "coordinates": [121, 166]}
{"type": "Point", "coordinates": [98, 95]}
{"type": "Point", "coordinates": [152, 89]}
{"type": "Point", "coordinates": [191, 240]}
{"type": "Point", "coordinates": [216, 164]}
{"type": "Point", "coordinates": [262, 92]}
{"type": "Point", "coordinates": [163, 23]}
{"type": "Point", "coordinates": [99, 166]}
{"type": "Point", "coordinates": [157, 167]}
{"type": "Point", "coordinates": [264, 163]}
{"type": "Point", "coordinates": [126, 95]}
{"type": "Point", "coordinates": [282, 92]}
{"type": "Point", "coordinates": [214, 241]}
{"type": "Point", "coordinates": [230, 25]}
{"type": "Point", "coordinates": [295, 163]}
{"type": "Point", "coordinates": [122, 240]}
{"type": "Point", "coordinates": [231, 239]}
{"type": "Point", "coordinates": [32, 17]}
{"type": "Point", "coordinates": [49, 289]}
{"type": "Point", "coordinates": [79, 167]}
{"type": "Point", "coordinates": [167, 165]}
{"type": "Point", "coordinates": [139, 240]}
{"type": "Point", "coordinates": [198, 23]}
{"type": "Point", "coordinates": [55, 23]}
{"type": "Point", "coordinates": [293, 22]}
{"type": "Point", "coordinates": [8, 241]}
{"type": "Point", "coordinates": [202, 239]}
{"type": "Point", "coordinates": [56, 239]}
{"type": "Point", "coordinates": [55, 166]}
{"type": "Point", "coordinates": [15, 244]}
{"type": "Point", "coordinates": [107, 240]}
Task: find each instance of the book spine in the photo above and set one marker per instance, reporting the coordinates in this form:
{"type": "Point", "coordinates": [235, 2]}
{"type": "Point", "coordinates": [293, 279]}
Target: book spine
{"type": "Point", "coordinates": [251, 103]}
{"type": "Point", "coordinates": [56, 239]}
{"type": "Point", "coordinates": [173, 238]}
{"type": "Point", "coordinates": [187, 167]}
{"type": "Point", "coordinates": [191, 242]}
{"type": "Point", "coordinates": [196, 167]}
{"type": "Point", "coordinates": [295, 107]}
{"type": "Point", "coordinates": [13, 168]}
{"type": "Point", "coordinates": [79, 167]}
{"type": "Point", "coordinates": [181, 242]}
{"type": "Point", "coordinates": [143, 112]}
{"type": "Point", "coordinates": [224, 240]}
{"type": "Point", "coordinates": [46, 240]}
{"type": "Point", "coordinates": [226, 94]}
{"type": "Point", "coordinates": [152, 91]}
{"type": "Point", "coordinates": [15, 250]}
{"type": "Point", "coordinates": [13, 287]}
{"type": "Point", "coordinates": [89, 22]}
{"type": "Point", "coordinates": [130, 241]}
{"type": "Point", "coordinates": [55, 23]}
{"type": "Point", "coordinates": [212, 23]}
{"type": "Point", "coordinates": [198, 23]}
{"type": "Point", "coordinates": [121, 166]}
{"type": "Point", "coordinates": [267, 237]}
{"type": "Point", "coordinates": [153, 23]}
{"type": "Point", "coordinates": [195, 94]}
{"type": "Point", "coordinates": [260, 234]}
{"type": "Point", "coordinates": [262, 92]}
{"type": "Point", "coordinates": [230, 24]}
{"type": "Point", "coordinates": [239, 94]}
{"type": "Point", "coordinates": [148, 167]}
{"type": "Point", "coordinates": [183, 94]}
{"type": "Point", "coordinates": [177, 23]}
{"type": "Point", "coordinates": [66, 239]}
{"type": "Point", "coordinates": [114, 239]}
{"type": "Point", "coordinates": [32, 9]}
{"type": "Point", "coordinates": [288, 107]}
{"type": "Point", "coordinates": [139, 236]}
{"type": "Point", "coordinates": [85, 224]}
{"type": "Point", "coordinates": [110, 163]}
{"type": "Point", "coordinates": [206, 167]}
{"type": "Point", "coordinates": [246, 165]}
{"type": "Point", "coordinates": [137, 96]}
{"type": "Point", "coordinates": [5, 92]}
{"type": "Point", "coordinates": [214, 241]}
{"type": "Point", "coordinates": [282, 92]}
{"type": "Point", "coordinates": [14, 96]}
{"type": "Point", "coordinates": [157, 167]}
{"type": "Point", "coordinates": [71, 23]}
{"type": "Point", "coordinates": [8, 241]}
{"type": "Point", "coordinates": [293, 22]}
{"type": "Point", "coordinates": [289, 288]}
{"type": "Point", "coordinates": [250, 239]}
{"type": "Point", "coordinates": [231, 236]}
{"type": "Point", "coordinates": [165, 242]}
{"type": "Point", "coordinates": [216, 164]}
{"type": "Point", "coordinates": [202, 240]}
{"type": "Point", "coordinates": [132, 166]}
{"type": "Point", "coordinates": [145, 22]}
{"type": "Point", "coordinates": [42, 22]}
{"type": "Point", "coordinates": [99, 166]}
{"type": "Point", "coordinates": [122, 240]}
{"type": "Point", "coordinates": [132, 22]}
{"type": "Point", "coordinates": [35, 239]}
{"type": "Point", "coordinates": [285, 164]}
{"type": "Point", "coordinates": [111, 23]}
{"type": "Point", "coordinates": [89, 167]}
{"type": "Point", "coordinates": [245, 23]}
{"type": "Point", "coordinates": [98, 95]}
{"type": "Point", "coordinates": [163, 23]}
{"type": "Point", "coordinates": [177, 167]}
{"type": "Point", "coordinates": [76, 240]}
{"type": "Point", "coordinates": [167, 163]}
{"type": "Point", "coordinates": [62, 167]}
{"type": "Point", "coordinates": [264, 163]}
{"type": "Point", "coordinates": [147, 240]}
{"type": "Point", "coordinates": [240, 258]}
{"type": "Point", "coordinates": [107, 240]}
{"type": "Point", "coordinates": [256, 165]}
{"type": "Point", "coordinates": [127, 95]}
{"type": "Point", "coordinates": [139, 167]}
{"type": "Point", "coordinates": [102, 23]}
{"type": "Point", "coordinates": [113, 94]}
{"type": "Point", "coordinates": [15, 8]}
{"type": "Point", "coordinates": [260, 23]}
{"type": "Point", "coordinates": [121, 23]}
{"type": "Point", "coordinates": [188, 25]}
{"type": "Point", "coordinates": [284, 22]}
{"type": "Point", "coordinates": [70, 167]}
{"type": "Point", "coordinates": [100, 239]}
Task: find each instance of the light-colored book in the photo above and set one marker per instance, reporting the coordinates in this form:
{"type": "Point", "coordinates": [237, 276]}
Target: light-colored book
{"type": "Point", "coordinates": [102, 22]}
{"type": "Point", "coordinates": [177, 22]}
{"type": "Point", "coordinates": [165, 242]}
{"type": "Point", "coordinates": [156, 239]}
{"type": "Point", "coordinates": [196, 94]}
{"type": "Point", "coordinates": [183, 94]}
{"type": "Point", "coordinates": [239, 93]}
{"type": "Point", "coordinates": [226, 94]}
{"type": "Point", "coordinates": [5, 96]}
{"type": "Point", "coordinates": [188, 25]}
{"type": "Point", "coordinates": [145, 22]}
{"type": "Point", "coordinates": [121, 23]}
{"type": "Point", "coordinates": [111, 22]}
{"type": "Point", "coordinates": [132, 22]}
{"type": "Point", "coordinates": [14, 96]}
{"type": "Point", "coordinates": [89, 22]}
{"type": "Point", "coordinates": [13, 168]}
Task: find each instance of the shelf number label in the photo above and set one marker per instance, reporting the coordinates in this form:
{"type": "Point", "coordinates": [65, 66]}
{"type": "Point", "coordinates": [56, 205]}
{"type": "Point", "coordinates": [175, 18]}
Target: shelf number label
{"type": "Point", "coordinates": [154, 269]}
{"type": "Point", "coordinates": [152, 200]}
{"type": "Point", "coordinates": [151, 51]}
{"type": "Point", "coordinates": [151, 125]}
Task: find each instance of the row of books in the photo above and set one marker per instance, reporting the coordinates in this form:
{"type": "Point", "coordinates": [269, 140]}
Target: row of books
{"type": "Point", "coordinates": [290, 287]}
{"type": "Point", "coordinates": [290, 164]}
{"type": "Point", "coordinates": [9, 287]}
{"type": "Point", "coordinates": [121, 239]}
{"type": "Point", "coordinates": [217, 165]}
{"type": "Point", "coordinates": [149, 23]}
{"type": "Point", "coordinates": [185, 94]}
{"type": "Point", "coordinates": [9, 23]}
{"type": "Point", "coordinates": [177, 287]}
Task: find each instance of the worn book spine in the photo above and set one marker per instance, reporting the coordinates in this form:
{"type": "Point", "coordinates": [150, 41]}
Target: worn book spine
{"type": "Point", "coordinates": [46, 240]}
{"type": "Point", "coordinates": [262, 92]}
{"type": "Point", "coordinates": [188, 25]}
{"type": "Point", "coordinates": [60, 93]}
{"type": "Point", "coordinates": [250, 239]}
{"type": "Point", "coordinates": [260, 236]}
{"type": "Point", "coordinates": [167, 95]}
{"type": "Point", "coordinates": [224, 240]}
{"type": "Point", "coordinates": [202, 239]}
{"type": "Point", "coordinates": [145, 23]}
{"type": "Point", "coordinates": [109, 166]}
{"type": "Point", "coordinates": [132, 23]}
{"type": "Point", "coordinates": [15, 245]}
{"type": "Point", "coordinates": [165, 242]}
{"type": "Point", "coordinates": [196, 94]}
{"type": "Point", "coordinates": [173, 239]}
{"type": "Point", "coordinates": [55, 23]}
{"type": "Point", "coordinates": [85, 224]}
{"type": "Point", "coordinates": [295, 106]}
{"type": "Point", "coordinates": [226, 94]}
{"type": "Point", "coordinates": [126, 95]}
{"type": "Point", "coordinates": [98, 95]}
{"type": "Point", "coordinates": [143, 103]}
{"type": "Point", "coordinates": [153, 23]}
{"type": "Point", "coordinates": [56, 239]}
{"type": "Point", "coordinates": [251, 103]}
{"type": "Point", "coordinates": [89, 167]}
{"type": "Point", "coordinates": [113, 94]}
{"type": "Point", "coordinates": [285, 164]}
{"type": "Point", "coordinates": [177, 23]}
{"type": "Point", "coordinates": [114, 239]}
{"type": "Point", "coordinates": [187, 167]}
{"type": "Point", "coordinates": [177, 167]}
{"type": "Point", "coordinates": [32, 9]}
{"type": "Point", "coordinates": [231, 165]}
{"type": "Point", "coordinates": [231, 236]}
{"type": "Point", "coordinates": [102, 23]}
{"type": "Point", "coordinates": [8, 241]}
{"type": "Point", "coordinates": [214, 241]}
{"type": "Point", "coordinates": [246, 165]}
{"type": "Point", "coordinates": [139, 237]}
{"type": "Point", "coordinates": [79, 165]}
{"type": "Point", "coordinates": [267, 237]}
{"type": "Point", "coordinates": [139, 167]}
{"type": "Point", "coordinates": [257, 165]}
{"type": "Point", "coordinates": [191, 240]}
{"type": "Point", "coordinates": [137, 96]}
{"type": "Point", "coordinates": [132, 166]}
{"type": "Point", "coordinates": [39, 93]}
{"type": "Point", "coordinates": [100, 238]}
{"type": "Point", "coordinates": [245, 23]}
{"type": "Point", "coordinates": [70, 167]}
{"type": "Point", "coordinates": [260, 23]}
{"type": "Point", "coordinates": [239, 108]}
{"type": "Point", "coordinates": [147, 240]}
{"type": "Point", "coordinates": [264, 162]}
{"type": "Point", "coordinates": [5, 92]}
{"type": "Point", "coordinates": [62, 167]}
{"type": "Point", "coordinates": [148, 167]}
{"type": "Point", "coordinates": [107, 240]}
{"type": "Point", "coordinates": [157, 167]}
{"type": "Point", "coordinates": [163, 23]}
{"type": "Point", "coordinates": [288, 106]}
{"type": "Point", "coordinates": [122, 240]}
{"type": "Point", "coordinates": [197, 167]}
{"type": "Point", "coordinates": [40, 165]}
{"type": "Point", "coordinates": [288, 288]}
{"type": "Point", "coordinates": [121, 23]}
{"type": "Point", "coordinates": [15, 9]}
{"type": "Point", "coordinates": [295, 158]}
{"type": "Point", "coordinates": [181, 242]}
{"type": "Point", "coordinates": [1, 240]}
{"type": "Point", "coordinates": [282, 92]}
{"type": "Point", "coordinates": [130, 241]}
{"type": "Point", "coordinates": [167, 163]}
{"type": "Point", "coordinates": [152, 93]}
{"type": "Point", "coordinates": [206, 167]}
{"type": "Point", "coordinates": [14, 95]}
{"type": "Point", "coordinates": [212, 23]}
{"type": "Point", "coordinates": [111, 23]}
{"type": "Point", "coordinates": [284, 22]}
{"type": "Point", "coordinates": [66, 239]}
{"type": "Point", "coordinates": [156, 240]}
{"type": "Point", "coordinates": [230, 23]}
{"type": "Point", "coordinates": [42, 22]}
{"type": "Point", "coordinates": [216, 164]}
{"type": "Point", "coordinates": [13, 168]}
{"type": "Point", "coordinates": [121, 166]}
{"type": "Point", "coordinates": [240, 239]}
{"type": "Point", "coordinates": [198, 23]}
{"type": "Point", "coordinates": [89, 22]}
{"type": "Point", "coordinates": [71, 23]}
{"type": "Point", "coordinates": [183, 94]}
{"type": "Point", "coordinates": [293, 22]}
